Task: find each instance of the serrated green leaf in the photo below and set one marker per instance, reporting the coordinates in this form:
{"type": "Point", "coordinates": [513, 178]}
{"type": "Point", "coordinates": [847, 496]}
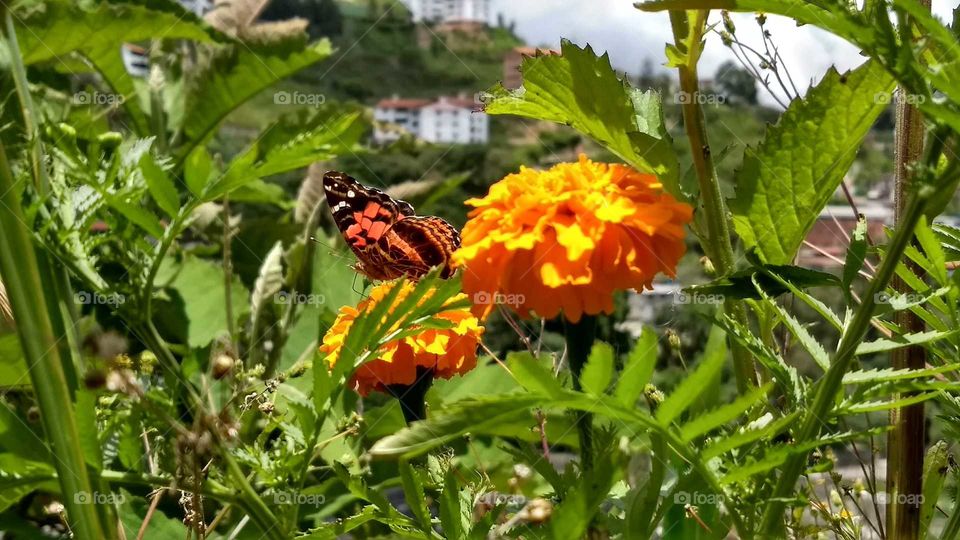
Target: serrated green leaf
{"type": "Point", "coordinates": [161, 187]}
{"type": "Point", "coordinates": [691, 387]}
{"type": "Point", "coordinates": [415, 497]}
{"type": "Point", "coordinates": [598, 370]}
{"type": "Point", "coordinates": [232, 79]}
{"type": "Point", "coordinates": [856, 253]}
{"type": "Point", "coordinates": [933, 251]}
{"type": "Point", "coordinates": [533, 374]}
{"type": "Point", "coordinates": [582, 90]}
{"type": "Point", "coordinates": [453, 517]}
{"type": "Point", "coordinates": [875, 376]}
{"type": "Point", "coordinates": [787, 180]}
{"type": "Point", "coordinates": [712, 420]}
{"type": "Point", "coordinates": [638, 369]}
{"type": "Point", "coordinates": [935, 467]}
{"type": "Point", "coordinates": [920, 338]}
{"type": "Point", "coordinates": [809, 343]}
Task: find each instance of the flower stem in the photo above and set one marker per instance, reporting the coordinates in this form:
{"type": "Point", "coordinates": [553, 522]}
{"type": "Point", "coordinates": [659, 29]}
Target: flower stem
{"type": "Point", "coordinates": [413, 397]}
{"type": "Point", "coordinates": [717, 243]}
{"type": "Point", "coordinates": [579, 337]}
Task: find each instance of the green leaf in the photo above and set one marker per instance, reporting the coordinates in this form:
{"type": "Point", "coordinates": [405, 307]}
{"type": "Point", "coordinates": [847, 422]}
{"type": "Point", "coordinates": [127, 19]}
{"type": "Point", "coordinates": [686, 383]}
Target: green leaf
{"type": "Point", "coordinates": [937, 266]}
{"type": "Point", "coordinates": [98, 30]}
{"type": "Point", "coordinates": [86, 413]}
{"type": "Point", "coordinates": [712, 420]}
{"type": "Point", "coordinates": [897, 342]}
{"type": "Point", "coordinates": [875, 376]}
{"type": "Point", "coordinates": [198, 170]}
{"type": "Point", "coordinates": [598, 370]}
{"type": "Point", "coordinates": [764, 428]}
{"type": "Point", "coordinates": [13, 367]}
{"type": "Point", "coordinates": [454, 510]}
{"type": "Point", "coordinates": [809, 343]}
{"type": "Point", "coordinates": [19, 477]}
{"type": "Point", "coordinates": [473, 415]}
{"type": "Point", "coordinates": [784, 374]}
{"type": "Point", "coordinates": [200, 284]}
{"type": "Point", "coordinates": [161, 187]}
{"type": "Point", "coordinates": [236, 76]}
{"type": "Point", "coordinates": [582, 90]}
{"type": "Point", "coordinates": [332, 531]}
{"type": "Point", "coordinates": [638, 369]}
{"type": "Point", "coordinates": [691, 387]}
{"type": "Point", "coordinates": [787, 180]}
{"type": "Point", "coordinates": [856, 254]}
{"type": "Point", "coordinates": [771, 278]}
{"type": "Point", "coordinates": [533, 374]}
{"type": "Point", "coordinates": [17, 437]}
{"type": "Point", "coordinates": [571, 518]}
{"type": "Point", "coordinates": [935, 467]}
{"type": "Point", "coordinates": [292, 143]}
{"type": "Point", "coordinates": [416, 499]}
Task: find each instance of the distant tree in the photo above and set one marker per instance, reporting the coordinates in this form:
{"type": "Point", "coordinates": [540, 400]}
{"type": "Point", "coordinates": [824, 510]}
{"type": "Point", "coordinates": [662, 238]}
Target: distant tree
{"type": "Point", "coordinates": [323, 16]}
{"type": "Point", "coordinates": [736, 84]}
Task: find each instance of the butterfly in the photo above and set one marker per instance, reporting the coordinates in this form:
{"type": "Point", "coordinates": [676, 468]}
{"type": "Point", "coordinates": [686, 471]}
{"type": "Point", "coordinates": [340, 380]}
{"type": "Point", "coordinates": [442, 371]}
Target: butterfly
{"type": "Point", "coordinates": [389, 240]}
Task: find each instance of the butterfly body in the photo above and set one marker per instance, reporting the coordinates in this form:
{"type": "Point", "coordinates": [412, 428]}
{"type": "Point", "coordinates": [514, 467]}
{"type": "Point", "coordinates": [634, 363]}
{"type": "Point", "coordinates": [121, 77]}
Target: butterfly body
{"type": "Point", "coordinates": [384, 233]}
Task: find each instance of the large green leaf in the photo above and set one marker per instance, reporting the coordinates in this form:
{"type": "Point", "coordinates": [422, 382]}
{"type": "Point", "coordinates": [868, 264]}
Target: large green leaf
{"type": "Point", "coordinates": [237, 75]}
{"type": "Point", "coordinates": [582, 90]}
{"type": "Point", "coordinates": [292, 143]}
{"type": "Point", "coordinates": [787, 180]}
{"type": "Point", "coordinates": [200, 284]}
{"type": "Point", "coordinates": [97, 30]}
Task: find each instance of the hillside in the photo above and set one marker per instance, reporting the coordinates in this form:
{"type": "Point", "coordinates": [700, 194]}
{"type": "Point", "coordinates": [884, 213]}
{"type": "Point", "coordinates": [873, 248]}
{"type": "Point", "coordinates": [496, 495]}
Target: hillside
{"type": "Point", "coordinates": [381, 52]}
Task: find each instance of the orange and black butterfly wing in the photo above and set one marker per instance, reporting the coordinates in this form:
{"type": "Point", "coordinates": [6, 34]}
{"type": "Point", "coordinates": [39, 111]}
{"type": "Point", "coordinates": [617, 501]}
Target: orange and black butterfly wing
{"type": "Point", "coordinates": [362, 214]}
{"type": "Point", "coordinates": [416, 244]}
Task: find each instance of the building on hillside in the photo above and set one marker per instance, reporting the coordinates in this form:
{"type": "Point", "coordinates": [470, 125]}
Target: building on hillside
{"type": "Point", "coordinates": [446, 120]}
{"type": "Point", "coordinates": [441, 11]}
{"type": "Point", "coordinates": [512, 78]}
{"type": "Point", "coordinates": [826, 243]}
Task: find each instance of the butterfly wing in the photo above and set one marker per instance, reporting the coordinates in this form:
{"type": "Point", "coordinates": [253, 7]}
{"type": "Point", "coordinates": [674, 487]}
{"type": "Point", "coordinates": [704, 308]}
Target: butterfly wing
{"type": "Point", "coordinates": [361, 213]}
{"type": "Point", "coordinates": [385, 235]}
{"type": "Point", "coordinates": [416, 244]}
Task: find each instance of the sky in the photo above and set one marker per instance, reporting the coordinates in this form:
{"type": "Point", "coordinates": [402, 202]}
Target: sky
{"type": "Point", "coordinates": [630, 35]}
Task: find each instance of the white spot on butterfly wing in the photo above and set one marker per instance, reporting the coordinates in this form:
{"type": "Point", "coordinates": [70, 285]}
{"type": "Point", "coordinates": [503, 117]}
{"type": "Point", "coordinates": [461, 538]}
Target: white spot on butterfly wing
{"type": "Point", "coordinates": [351, 194]}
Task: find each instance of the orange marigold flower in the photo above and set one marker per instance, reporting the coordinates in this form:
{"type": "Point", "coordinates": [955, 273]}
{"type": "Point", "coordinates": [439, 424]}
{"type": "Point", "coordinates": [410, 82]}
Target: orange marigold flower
{"type": "Point", "coordinates": [566, 238]}
{"type": "Point", "coordinates": [447, 351]}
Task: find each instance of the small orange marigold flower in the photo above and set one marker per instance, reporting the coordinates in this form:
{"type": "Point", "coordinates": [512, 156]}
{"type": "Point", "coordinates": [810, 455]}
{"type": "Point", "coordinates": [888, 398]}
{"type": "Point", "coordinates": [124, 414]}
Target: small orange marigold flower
{"type": "Point", "coordinates": [566, 238]}
{"type": "Point", "coordinates": [447, 351]}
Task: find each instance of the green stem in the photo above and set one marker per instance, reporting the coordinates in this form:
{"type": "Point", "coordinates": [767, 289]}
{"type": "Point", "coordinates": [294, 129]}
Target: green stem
{"type": "Point", "coordinates": [579, 337]}
{"type": "Point", "coordinates": [250, 500]}
{"type": "Point", "coordinates": [21, 275]}
{"type": "Point", "coordinates": [817, 414]}
{"type": "Point", "coordinates": [717, 243]}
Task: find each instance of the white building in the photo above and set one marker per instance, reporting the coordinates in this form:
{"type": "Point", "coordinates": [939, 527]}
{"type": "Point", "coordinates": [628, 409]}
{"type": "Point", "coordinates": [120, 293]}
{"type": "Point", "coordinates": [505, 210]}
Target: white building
{"type": "Point", "coordinates": [438, 11]}
{"type": "Point", "coordinates": [448, 120]}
